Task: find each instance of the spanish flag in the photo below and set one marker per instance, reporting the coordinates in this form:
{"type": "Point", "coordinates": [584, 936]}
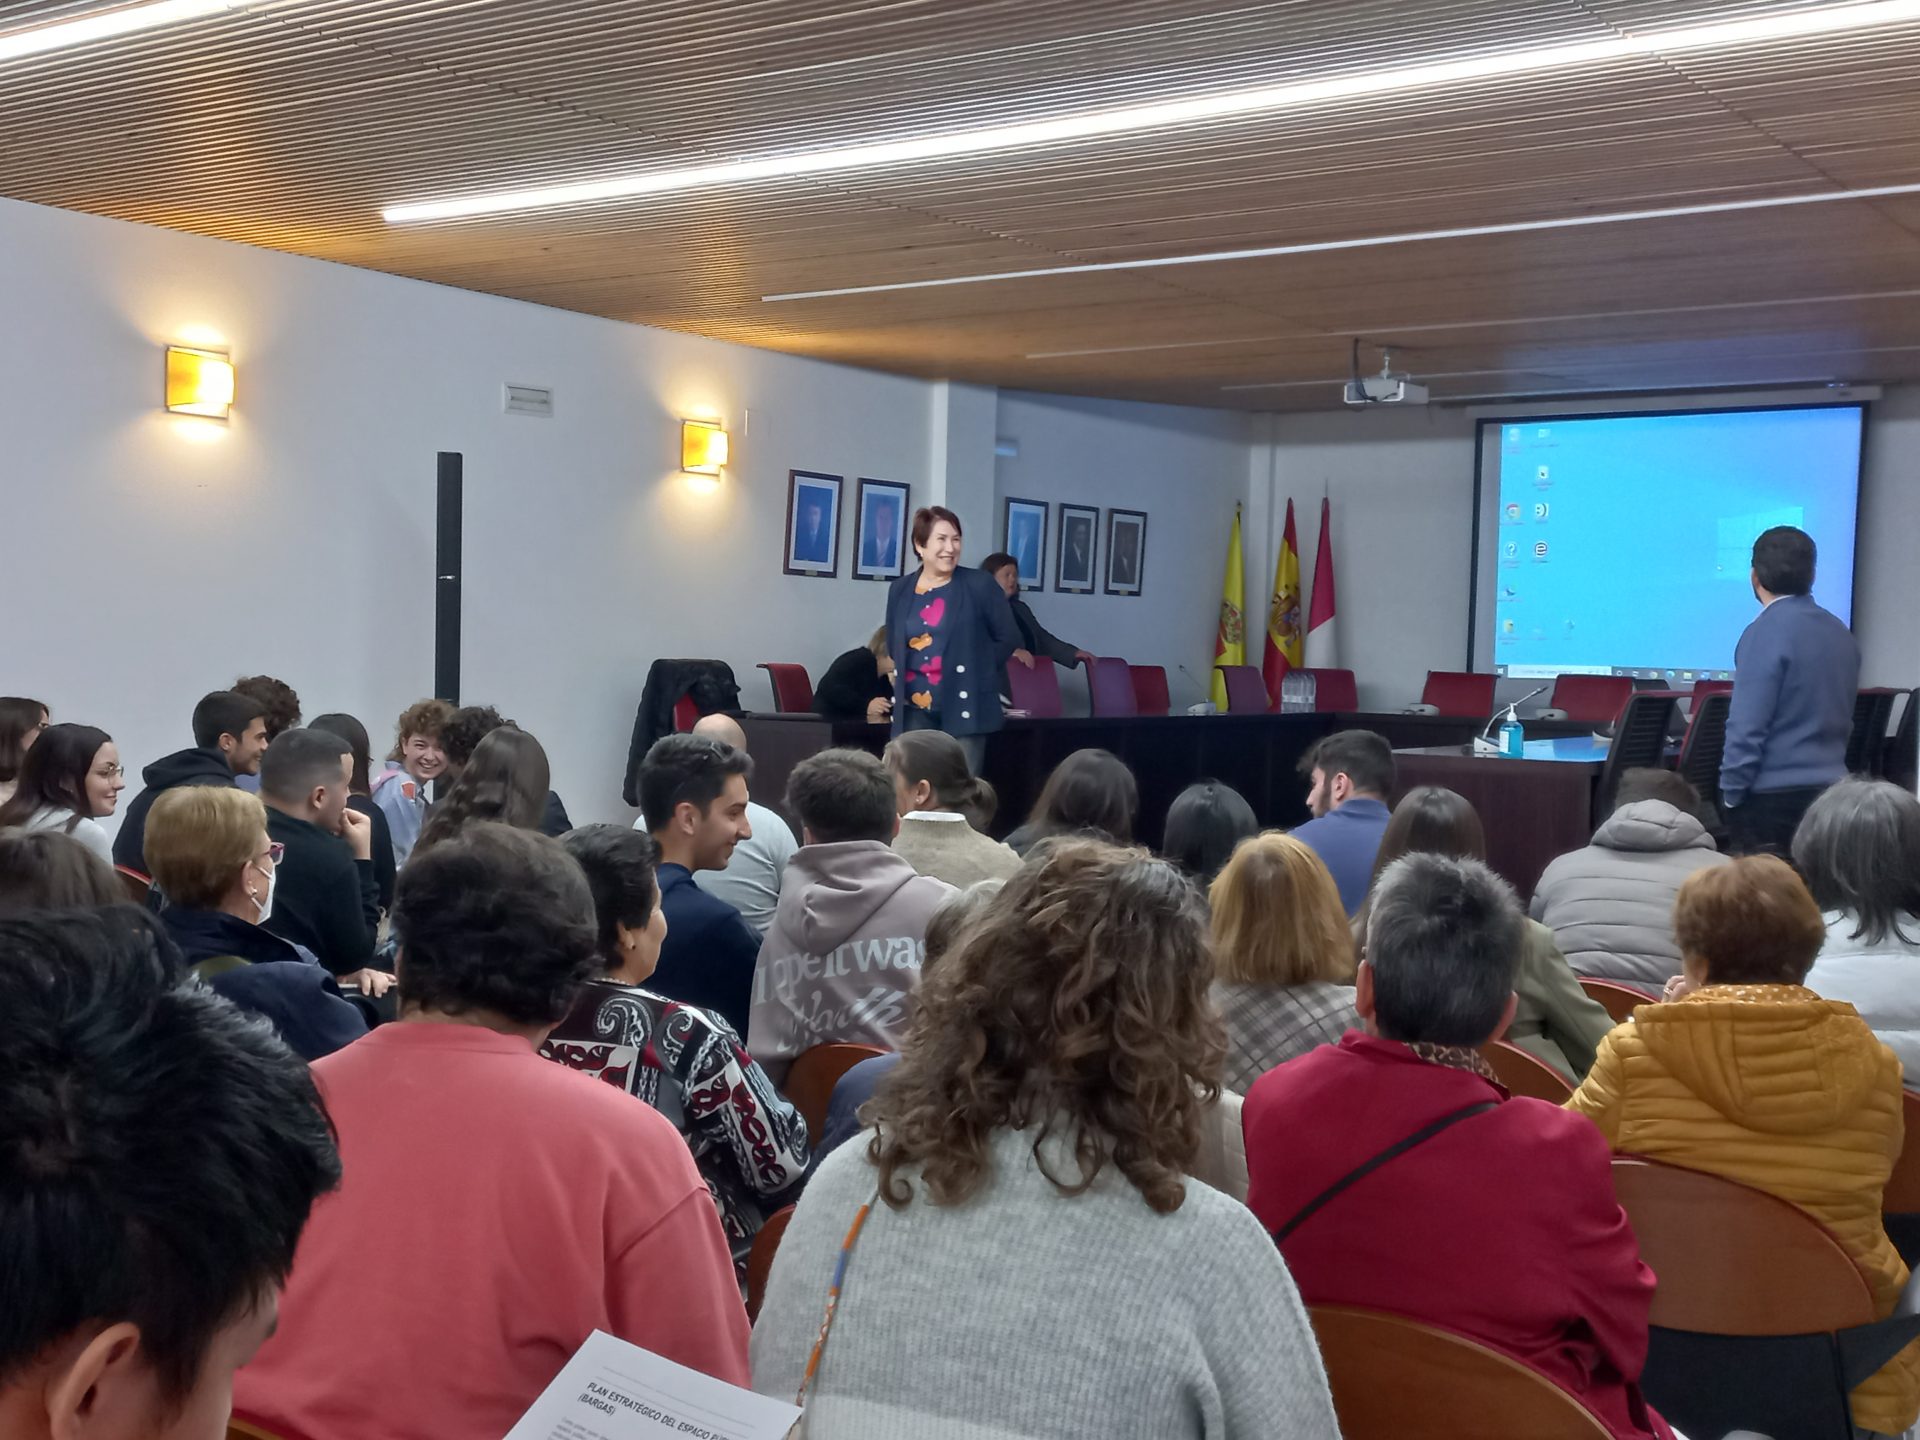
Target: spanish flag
{"type": "Point", "coordinates": [1283, 616]}
{"type": "Point", "coordinates": [1230, 641]}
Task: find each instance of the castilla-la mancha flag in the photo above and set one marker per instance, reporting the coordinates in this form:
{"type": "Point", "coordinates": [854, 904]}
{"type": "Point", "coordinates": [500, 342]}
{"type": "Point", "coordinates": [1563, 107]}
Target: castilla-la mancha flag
{"type": "Point", "coordinates": [1283, 615]}
{"type": "Point", "coordinates": [1230, 640]}
{"type": "Point", "coordinates": [1323, 635]}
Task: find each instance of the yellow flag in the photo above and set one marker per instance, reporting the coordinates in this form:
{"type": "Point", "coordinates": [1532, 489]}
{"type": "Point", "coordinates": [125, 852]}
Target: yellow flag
{"type": "Point", "coordinates": [1230, 641]}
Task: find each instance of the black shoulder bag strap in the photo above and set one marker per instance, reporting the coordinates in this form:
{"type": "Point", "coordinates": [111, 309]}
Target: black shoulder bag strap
{"type": "Point", "coordinates": [1360, 1172]}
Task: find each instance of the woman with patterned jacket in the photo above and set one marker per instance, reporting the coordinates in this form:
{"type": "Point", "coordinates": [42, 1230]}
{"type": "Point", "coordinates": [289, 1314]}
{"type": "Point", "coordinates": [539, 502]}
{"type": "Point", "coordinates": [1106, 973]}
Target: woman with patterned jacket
{"type": "Point", "coordinates": [748, 1141]}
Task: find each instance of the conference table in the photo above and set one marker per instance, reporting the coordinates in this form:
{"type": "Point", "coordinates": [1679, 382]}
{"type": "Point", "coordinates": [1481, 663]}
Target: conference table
{"type": "Point", "coordinates": [1544, 799]}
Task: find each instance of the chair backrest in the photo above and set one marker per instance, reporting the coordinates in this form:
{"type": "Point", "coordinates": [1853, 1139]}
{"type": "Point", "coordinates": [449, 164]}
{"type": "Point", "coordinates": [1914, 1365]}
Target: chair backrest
{"type": "Point", "coordinates": [134, 883]}
{"type": "Point", "coordinates": [1639, 741]}
{"type": "Point", "coordinates": [1335, 690]}
{"type": "Point", "coordinates": [686, 714]}
{"type": "Point", "coordinates": [792, 690]}
{"type": "Point", "coordinates": [1523, 1074]}
{"type": "Point", "coordinates": [1150, 693]}
{"type": "Point", "coordinates": [766, 1243]}
{"type": "Point", "coordinates": [1398, 1379]}
{"type": "Point", "coordinates": [1704, 743]}
{"type": "Point", "coordinates": [1246, 690]}
{"type": "Point", "coordinates": [1704, 688]}
{"type": "Point", "coordinates": [1902, 1195]}
{"type": "Point", "coordinates": [1867, 740]}
{"type": "Point", "coordinates": [814, 1074]}
{"type": "Point", "coordinates": [1464, 693]}
{"type": "Point", "coordinates": [1109, 686]}
{"type": "Point", "coordinates": [1036, 691]}
{"type": "Point", "coordinates": [1616, 999]}
{"type": "Point", "coordinates": [1736, 1261]}
{"type": "Point", "coordinates": [1903, 750]}
{"type": "Point", "coordinates": [1591, 699]}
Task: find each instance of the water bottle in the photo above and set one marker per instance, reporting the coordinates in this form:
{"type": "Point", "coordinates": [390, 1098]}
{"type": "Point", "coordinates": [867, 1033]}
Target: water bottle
{"type": "Point", "coordinates": [1512, 738]}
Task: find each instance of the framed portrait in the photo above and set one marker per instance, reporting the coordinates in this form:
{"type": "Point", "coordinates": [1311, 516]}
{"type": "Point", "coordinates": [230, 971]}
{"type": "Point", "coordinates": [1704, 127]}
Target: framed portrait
{"type": "Point", "coordinates": [813, 524]}
{"type": "Point", "coordinates": [1075, 567]}
{"type": "Point", "coordinates": [1025, 530]}
{"type": "Point", "coordinates": [880, 530]}
{"type": "Point", "coordinates": [1126, 551]}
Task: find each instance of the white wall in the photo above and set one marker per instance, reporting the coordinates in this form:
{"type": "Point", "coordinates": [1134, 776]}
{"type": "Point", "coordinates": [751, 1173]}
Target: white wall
{"type": "Point", "coordinates": [1185, 468]}
{"type": "Point", "coordinates": [151, 559]}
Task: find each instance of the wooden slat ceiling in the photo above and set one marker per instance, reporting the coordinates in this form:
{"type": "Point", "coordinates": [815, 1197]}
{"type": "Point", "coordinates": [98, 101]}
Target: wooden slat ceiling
{"type": "Point", "coordinates": [290, 123]}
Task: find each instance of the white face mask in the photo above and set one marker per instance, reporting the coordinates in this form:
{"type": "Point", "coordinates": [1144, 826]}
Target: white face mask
{"type": "Point", "coordinates": [266, 905]}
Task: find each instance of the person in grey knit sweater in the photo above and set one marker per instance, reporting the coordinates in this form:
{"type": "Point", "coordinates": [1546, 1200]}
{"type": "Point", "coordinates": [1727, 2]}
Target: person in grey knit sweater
{"type": "Point", "coordinates": [1034, 1263]}
{"type": "Point", "coordinates": [944, 810]}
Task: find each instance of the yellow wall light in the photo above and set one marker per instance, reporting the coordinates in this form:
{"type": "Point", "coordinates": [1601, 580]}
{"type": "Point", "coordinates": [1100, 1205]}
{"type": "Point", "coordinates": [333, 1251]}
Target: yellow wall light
{"type": "Point", "coordinates": [199, 382]}
{"type": "Point", "coordinates": [703, 447]}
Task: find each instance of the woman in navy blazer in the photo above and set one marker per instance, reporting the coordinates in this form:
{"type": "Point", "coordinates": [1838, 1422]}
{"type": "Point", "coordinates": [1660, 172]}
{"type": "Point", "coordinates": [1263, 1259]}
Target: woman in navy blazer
{"type": "Point", "coordinates": [949, 631]}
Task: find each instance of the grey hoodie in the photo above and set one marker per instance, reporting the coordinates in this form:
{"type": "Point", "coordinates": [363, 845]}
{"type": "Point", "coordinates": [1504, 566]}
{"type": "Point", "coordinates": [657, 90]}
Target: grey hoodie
{"type": "Point", "coordinates": [843, 952]}
{"type": "Point", "coordinates": [1610, 906]}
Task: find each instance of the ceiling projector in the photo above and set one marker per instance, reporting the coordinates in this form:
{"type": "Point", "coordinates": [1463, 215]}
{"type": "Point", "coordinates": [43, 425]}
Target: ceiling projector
{"type": "Point", "coordinates": [1386, 388]}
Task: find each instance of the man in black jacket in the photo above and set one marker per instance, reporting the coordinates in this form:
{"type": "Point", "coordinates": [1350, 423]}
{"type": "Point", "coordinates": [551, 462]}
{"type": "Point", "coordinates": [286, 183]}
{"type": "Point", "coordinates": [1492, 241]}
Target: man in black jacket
{"type": "Point", "coordinates": [324, 893]}
{"type": "Point", "coordinates": [229, 737]}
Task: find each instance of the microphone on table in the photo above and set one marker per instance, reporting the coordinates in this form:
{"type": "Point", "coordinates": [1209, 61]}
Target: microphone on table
{"type": "Point", "coordinates": [1481, 744]}
{"type": "Point", "coordinates": [1203, 689]}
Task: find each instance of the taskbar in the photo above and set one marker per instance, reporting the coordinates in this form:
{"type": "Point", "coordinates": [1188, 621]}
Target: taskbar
{"type": "Point", "coordinates": [1631, 672]}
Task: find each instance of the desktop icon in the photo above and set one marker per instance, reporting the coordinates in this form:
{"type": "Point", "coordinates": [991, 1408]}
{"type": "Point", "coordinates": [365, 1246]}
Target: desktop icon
{"type": "Point", "coordinates": [1507, 592]}
{"type": "Point", "coordinates": [1513, 511]}
{"type": "Point", "coordinates": [1539, 509]}
{"type": "Point", "coordinates": [1506, 627]}
{"type": "Point", "coordinates": [1512, 549]}
{"type": "Point", "coordinates": [1539, 549]}
{"type": "Point", "coordinates": [1541, 473]}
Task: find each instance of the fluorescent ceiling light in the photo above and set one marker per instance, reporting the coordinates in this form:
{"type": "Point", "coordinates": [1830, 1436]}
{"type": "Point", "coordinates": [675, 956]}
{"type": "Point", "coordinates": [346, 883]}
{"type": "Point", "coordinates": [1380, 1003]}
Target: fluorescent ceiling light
{"type": "Point", "coordinates": [1365, 242]}
{"type": "Point", "coordinates": [1093, 124]}
{"type": "Point", "coordinates": [107, 25]}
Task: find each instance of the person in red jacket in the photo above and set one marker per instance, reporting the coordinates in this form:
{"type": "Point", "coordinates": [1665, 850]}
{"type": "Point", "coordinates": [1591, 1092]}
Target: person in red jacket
{"type": "Point", "coordinates": [1395, 1173]}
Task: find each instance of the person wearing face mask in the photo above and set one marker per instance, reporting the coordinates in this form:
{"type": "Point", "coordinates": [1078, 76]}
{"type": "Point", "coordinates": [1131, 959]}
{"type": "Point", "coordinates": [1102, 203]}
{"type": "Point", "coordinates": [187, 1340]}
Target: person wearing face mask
{"type": "Point", "coordinates": [212, 858]}
{"type": "Point", "coordinates": [70, 780]}
{"type": "Point", "coordinates": [401, 789]}
{"type": "Point", "coordinates": [327, 899]}
{"type": "Point", "coordinates": [748, 1141]}
{"type": "Point", "coordinates": [950, 633]}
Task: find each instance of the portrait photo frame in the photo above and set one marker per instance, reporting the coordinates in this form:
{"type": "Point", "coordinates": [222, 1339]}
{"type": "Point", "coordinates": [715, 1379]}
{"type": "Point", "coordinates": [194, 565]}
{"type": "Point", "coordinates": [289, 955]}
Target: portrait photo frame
{"type": "Point", "coordinates": [1126, 551]}
{"type": "Point", "coordinates": [1076, 562]}
{"type": "Point", "coordinates": [1023, 531]}
{"type": "Point", "coordinates": [813, 524]}
{"type": "Point", "coordinates": [880, 551]}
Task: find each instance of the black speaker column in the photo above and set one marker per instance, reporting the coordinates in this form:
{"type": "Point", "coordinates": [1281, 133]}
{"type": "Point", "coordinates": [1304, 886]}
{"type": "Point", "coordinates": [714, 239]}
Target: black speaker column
{"type": "Point", "coordinates": [446, 580]}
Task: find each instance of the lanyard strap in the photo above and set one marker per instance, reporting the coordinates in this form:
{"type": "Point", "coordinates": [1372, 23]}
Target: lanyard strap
{"type": "Point", "coordinates": [833, 1296]}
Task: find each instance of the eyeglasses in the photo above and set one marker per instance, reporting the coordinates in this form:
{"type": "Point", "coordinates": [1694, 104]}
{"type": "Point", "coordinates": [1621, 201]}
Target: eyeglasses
{"type": "Point", "coordinates": [274, 851]}
{"type": "Point", "coordinates": [111, 772]}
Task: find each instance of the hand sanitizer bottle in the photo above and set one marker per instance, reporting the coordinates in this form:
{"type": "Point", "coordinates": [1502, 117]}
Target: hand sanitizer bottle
{"type": "Point", "coordinates": [1512, 737]}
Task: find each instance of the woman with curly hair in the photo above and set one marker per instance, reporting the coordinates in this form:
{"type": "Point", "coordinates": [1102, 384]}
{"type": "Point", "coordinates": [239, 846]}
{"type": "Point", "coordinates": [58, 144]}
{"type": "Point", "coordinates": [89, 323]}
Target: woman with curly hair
{"type": "Point", "coordinates": [400, 790]}
{"type": "Point", "coordinates": [1026, 1173]}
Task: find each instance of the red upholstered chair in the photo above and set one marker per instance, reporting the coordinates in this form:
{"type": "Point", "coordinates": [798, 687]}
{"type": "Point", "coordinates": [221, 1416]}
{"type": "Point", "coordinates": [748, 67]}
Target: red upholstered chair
{"type": "Point", "coordinates": [1110, 686]}
{"type": "Point", "coordinates": [1036, 691]}
{"type": "Point", "coordinates": [1703, 688]}
{"type": "Point", "coordinates": [1334, 690]}
{"type": "Point", "coordinates": [686, 714]}
{"type": "Point", "coordinates": [1246, 690]}
{"type": "Point", "coordinates": [1150, 693]}
{"type": "Point", "coordinates": [1592, 699]}
{"type": "Point", "coordinates": [792, 690]}
{"type": "Point", "coordinates": [1464, 693]}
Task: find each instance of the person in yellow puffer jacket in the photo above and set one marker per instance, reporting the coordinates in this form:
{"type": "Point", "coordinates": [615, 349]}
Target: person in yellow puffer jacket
{"type": "Point", "coordinates": [1744, 1073]}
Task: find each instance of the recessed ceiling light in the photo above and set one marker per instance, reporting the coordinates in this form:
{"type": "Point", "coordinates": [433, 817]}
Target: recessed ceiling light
{"type": "Point", "coordinates": [1094, 124]}
{"type": "Point", "coordinates": [1365, 242]}
{"type": "Point", "coordinates": [107, 25]}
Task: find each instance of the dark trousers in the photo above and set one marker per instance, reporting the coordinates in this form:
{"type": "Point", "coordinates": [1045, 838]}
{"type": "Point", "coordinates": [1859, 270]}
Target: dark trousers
{"type": "Point", "coordinates": [1763, 824]}
{"type": "Point", "coordinates": [974, 745]}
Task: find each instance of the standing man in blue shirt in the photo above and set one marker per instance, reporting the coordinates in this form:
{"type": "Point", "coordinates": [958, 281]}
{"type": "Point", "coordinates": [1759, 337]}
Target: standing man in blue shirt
{"type": "Point", "coordinates": [1351, 772]}
{"type": "Point", "coordinates": [1796, 673]}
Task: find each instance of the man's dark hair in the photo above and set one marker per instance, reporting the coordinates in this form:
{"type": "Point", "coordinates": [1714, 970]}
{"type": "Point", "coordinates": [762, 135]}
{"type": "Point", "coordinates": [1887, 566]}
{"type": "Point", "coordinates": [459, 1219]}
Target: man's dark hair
{"type": "Point", "coordinates": [282, 705]}
{"type": "Point", "coordinates": [1362, 756]}
{"type": "Point", "coordinates": [1443, 942]}
{"type": "Point", "coordinates": [619, 863]}
{"type": "Point", "coordinates": [1783, 560]}
{"type": "Point", "coordinates": [299, 760]}
{"type": "Point", "coordinates": [359, 745]}
{"type": "Point", "coordinates": [496, 919]}
{"type": "Point", "coordinates": [843, 795]}
{"type": "Point", "coordinates": [466, 728]}
{"type": "Point", "coordinates": [686, 769]}
{"type": "Point", "coordinates": [45, 870]}
{"type": "Point", "coordinates": [224, 712]}
{"type": "Point", "coordinates": [1859, 848]}
{"type": "Point", "coordinates": [159, 1149]}
{"type": "Point", "coordinates": [1643, 782]}
{"type": "Point", "coordinates": [997, 562]}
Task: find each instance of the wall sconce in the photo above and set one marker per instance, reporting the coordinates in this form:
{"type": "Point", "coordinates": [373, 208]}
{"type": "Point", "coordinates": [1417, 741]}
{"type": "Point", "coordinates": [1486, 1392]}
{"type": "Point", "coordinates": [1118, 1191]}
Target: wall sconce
{"type": "Point", "coordinates": [199, 382]}
{"type": "Point", "coordinates": [703, 447]}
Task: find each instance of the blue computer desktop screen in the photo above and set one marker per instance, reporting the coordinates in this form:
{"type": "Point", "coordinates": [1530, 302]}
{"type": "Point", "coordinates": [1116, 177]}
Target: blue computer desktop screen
{"type": "Point", "coordinates": [1622, 544]}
